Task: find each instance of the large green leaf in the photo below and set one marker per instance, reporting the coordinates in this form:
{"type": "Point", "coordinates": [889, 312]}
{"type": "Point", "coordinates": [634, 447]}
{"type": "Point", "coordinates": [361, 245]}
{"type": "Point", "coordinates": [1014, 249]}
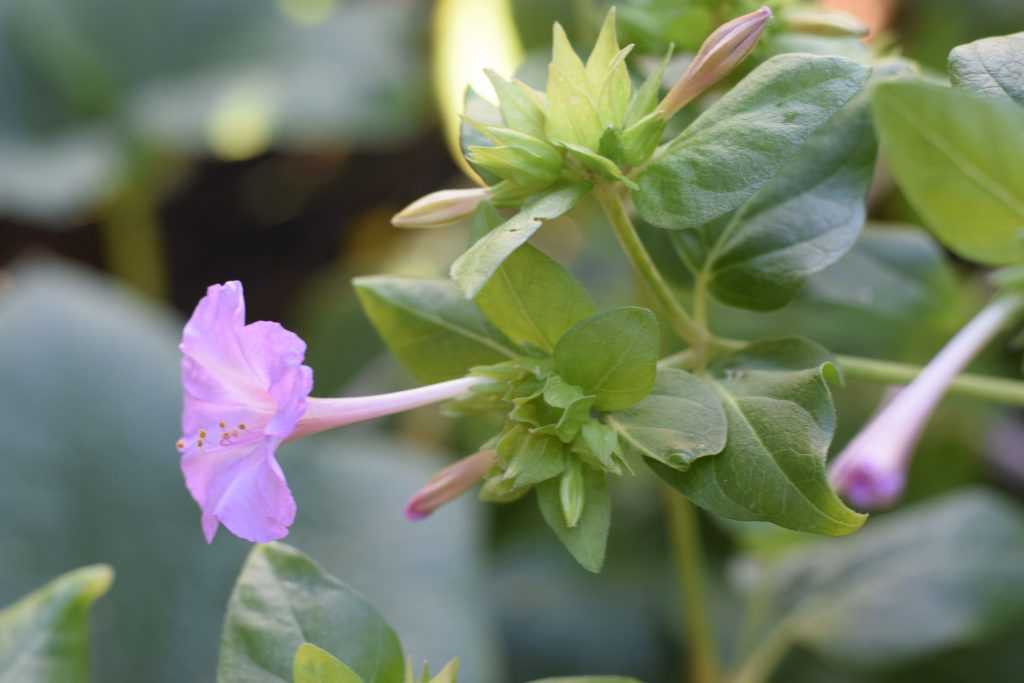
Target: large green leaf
{"type": "Point", "coordinates": [932, 578]}
{"type": "Point", "coordinates": [957, 155]}
{"type": "Point", "coordinates": [90, 407]}
{"type": "Point", "coordinates": [473, 269]}
{"type": "Point", "coordinates": [533, 299]}
{"type": "Point", "coordinates": [282, 600]}
{"type": "Point", "coordinates": [44, 637]}
{"type": "Point", "coordinates": [799, 223]}
{"type": "Point", "coordinates": [613, 355]}
{"type": "Point", "coordinates": [992, 66]}
{"type": "Point", "coordinates": [682, 419]}
{"type": "Point", "coordinates": [316, 665]}
{"type": "Point", "coordinates": [432, 329]}
{"type": "Point", "coordinates": [740, 143]}
{"type": "Point", "coordinates": [781, 421]}
{"type": "Point", "coordinates": [587, 540]}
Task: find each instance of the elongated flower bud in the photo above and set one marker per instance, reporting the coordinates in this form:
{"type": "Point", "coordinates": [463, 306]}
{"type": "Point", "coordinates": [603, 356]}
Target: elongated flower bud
{"type": "Point", "coordinates": [439, 208]}
{"type": "Point", "coordinates": [449, 484]}
{"type": "Point", "coordinates": [721, 52]}
{"type": "Point", "coordinates": [871, 471]}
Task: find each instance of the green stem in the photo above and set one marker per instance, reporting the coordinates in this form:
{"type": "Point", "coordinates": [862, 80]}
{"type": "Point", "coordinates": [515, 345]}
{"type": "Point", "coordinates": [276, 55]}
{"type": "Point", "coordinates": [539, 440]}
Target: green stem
{"type": "Point", "coordinates": [763, 661]}
{"type": "Point", "coordinates": [997, 389]}
{"type": "Point", "coordinates": [686, 548]}
{"type": "Point", "coordinates": [692, 333]}
{"type": "Point", "coordinates": [133, 244]}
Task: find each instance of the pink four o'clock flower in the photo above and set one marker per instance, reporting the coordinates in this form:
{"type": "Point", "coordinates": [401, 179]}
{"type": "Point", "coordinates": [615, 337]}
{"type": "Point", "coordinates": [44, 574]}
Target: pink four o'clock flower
{"type": "Point", "coordinates": [246, 390]}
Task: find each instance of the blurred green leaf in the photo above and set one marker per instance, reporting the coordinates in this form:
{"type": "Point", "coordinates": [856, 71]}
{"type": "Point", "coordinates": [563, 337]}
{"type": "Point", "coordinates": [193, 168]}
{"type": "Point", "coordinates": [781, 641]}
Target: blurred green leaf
{"type": "Point", "coordinates": [681, 420]}
{"type": "Point", "coordinates": [956, 156]}
{"type": "Point", "coordinates": [44, 637]}
{"type": "Point", "coordinates": [589, 679]}
{"type": "Point", "coordinates": [934, 577]}
{"type": "Point", "coordinates": [587, 540]}
{"type": "Point", "coordinates": [781, 421]}
{"type": "Point", "coordinates": [259, 645]}
{"type": "Point", "coordinates": [533, 299]}
{"type": "Point", "coordinates": [435, 332]}
{"type": "Point", "coordinates": [739, 144]}
{"type": "Point", "coordinates": [314, 665]}
{"type": "Point", "coordinates": [799, 223]}
{"type": "Point", "coordinates": [991, 67]}
{"type": "Point", "coordinates": [612, 355]}
{"type": "Point", "coordinates": [474, 268]}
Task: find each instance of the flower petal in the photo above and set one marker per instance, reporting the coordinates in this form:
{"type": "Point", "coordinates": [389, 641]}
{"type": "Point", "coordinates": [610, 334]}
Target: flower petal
{"type": "Point", "coordinates": [242, 487]}
{"type": "Point", "coordinates": [275, 356]}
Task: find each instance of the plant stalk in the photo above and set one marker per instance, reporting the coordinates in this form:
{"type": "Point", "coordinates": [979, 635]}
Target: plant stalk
{"type": "Point", "coordinates": [684, 534]}
{"type": "Point", "coordinates": [692, 333]}
{"type": "Point", "coordinates": [132, 242]}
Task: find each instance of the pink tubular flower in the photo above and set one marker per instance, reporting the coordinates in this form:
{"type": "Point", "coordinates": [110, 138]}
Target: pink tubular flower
{"type": "Point", "coordinates": [245, 391]}
{"type": "Point", "coordinates": [871, 472]}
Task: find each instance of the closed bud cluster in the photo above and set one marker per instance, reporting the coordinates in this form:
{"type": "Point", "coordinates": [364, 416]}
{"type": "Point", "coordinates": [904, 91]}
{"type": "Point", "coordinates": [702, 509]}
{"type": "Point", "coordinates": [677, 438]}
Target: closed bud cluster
{"type": "Point", "coordinates": [550, 433]}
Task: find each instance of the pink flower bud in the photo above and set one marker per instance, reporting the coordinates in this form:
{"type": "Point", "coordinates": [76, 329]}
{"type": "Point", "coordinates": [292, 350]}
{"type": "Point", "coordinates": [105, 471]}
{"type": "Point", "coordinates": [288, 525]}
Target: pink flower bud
{"type": "Point", "coordinates": [721, 52]}
{"type": "Point", "coordinates": [440, 208]}
{"type": "Point", "coordinates": [449, 484]}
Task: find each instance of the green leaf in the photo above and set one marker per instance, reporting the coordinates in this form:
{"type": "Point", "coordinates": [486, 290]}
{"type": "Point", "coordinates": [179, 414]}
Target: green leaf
{"type": "Point", "coordinates": [429, 326]}
{"type": "Point", "coordinates": [520, 105]}
{"type": "Point", "coordinates": [44, 637]}
{"type": "Point", "coordinates": [282, 600]}
{"type": "Point", "coordinates": [740, 143]}
{"type": "Point", "coordinates": [781, 421]}
{"type": "Point", "coordinates": [612, 355]}
{"type": "Point", "coordinates": [588, 679]}
{"type": "Point", "coordinates": [957, 156]}
{"type": "Point", "coordinates": [646, 97]}
{"type": "Point", "coordinates": [594, 163]}
{"type": "Point", "coordinates": [474, 268]}
{"type": "Point", "coordinates": [530, 458]}
{"type": "Point", "coordinates": [573, 114]}
{"type": "Point", "coordinates": [799, 223]}
{"type": "Point", "coordinates": [587, 540]}
{"type": "Point", "coordinates": [991, 67]}
{"type": "Point", "coordinates": [314, 665]}
{"type": "Point", "coordinates": [533, 299]}
{"type": "Point", "coordinates": [681, 420]}
{"type": "Point", "coordinates": [932, 578]}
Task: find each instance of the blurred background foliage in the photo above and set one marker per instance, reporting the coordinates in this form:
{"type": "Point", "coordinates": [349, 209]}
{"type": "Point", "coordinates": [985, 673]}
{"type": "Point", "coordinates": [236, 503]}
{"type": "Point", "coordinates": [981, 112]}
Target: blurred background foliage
{"type": "Point", "coordinates": [148, 149]}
